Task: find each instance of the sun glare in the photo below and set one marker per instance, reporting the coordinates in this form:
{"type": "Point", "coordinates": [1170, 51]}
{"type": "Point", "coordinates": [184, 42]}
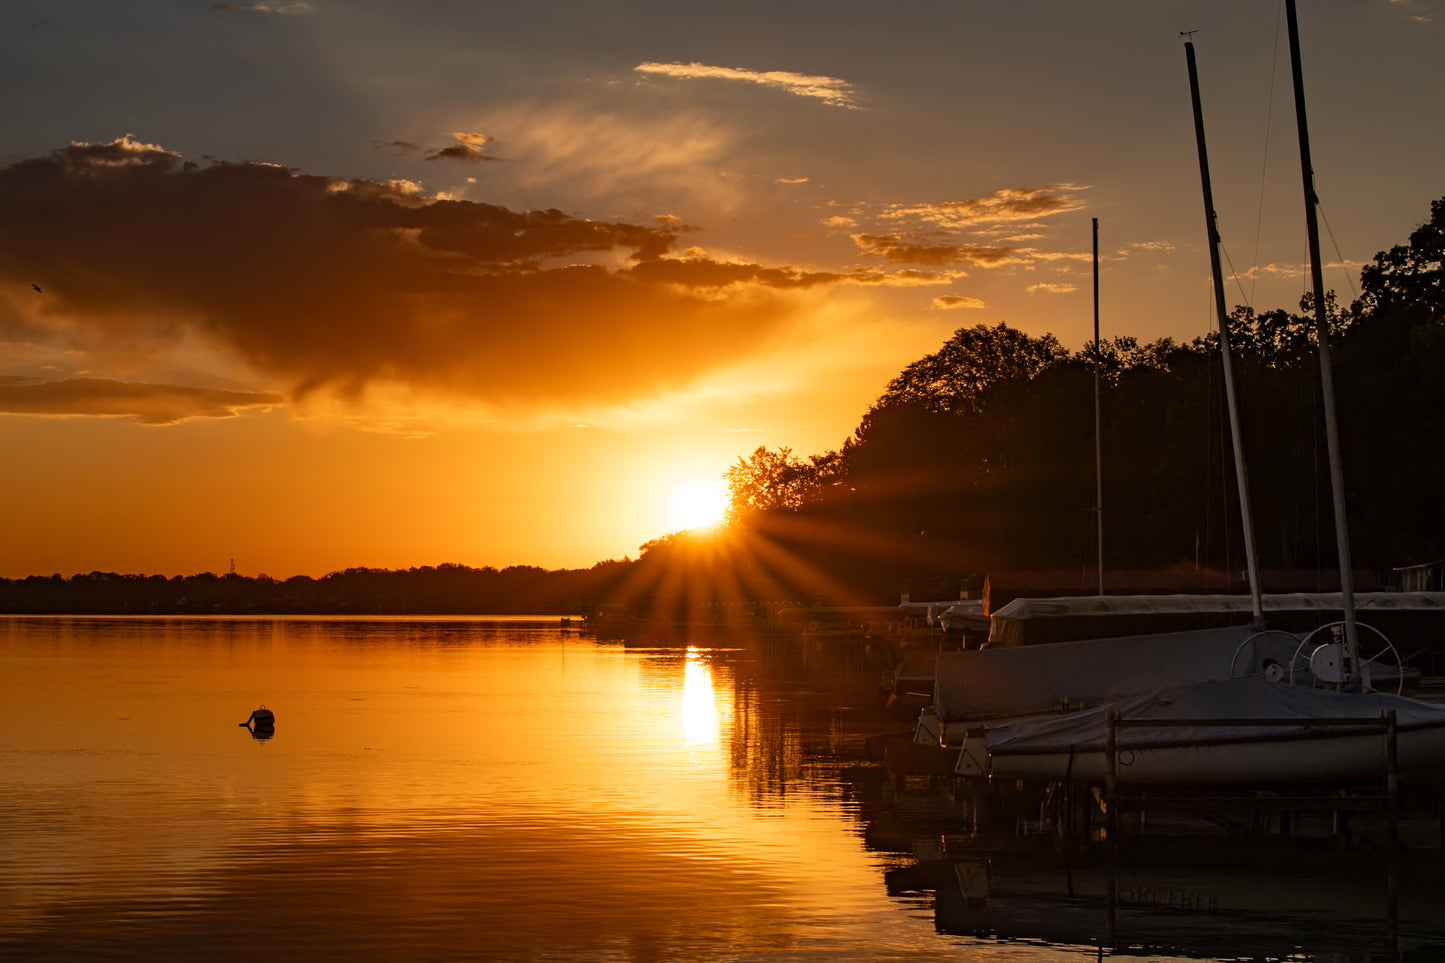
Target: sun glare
{"type": "Point", "coordinates": [697, 503]}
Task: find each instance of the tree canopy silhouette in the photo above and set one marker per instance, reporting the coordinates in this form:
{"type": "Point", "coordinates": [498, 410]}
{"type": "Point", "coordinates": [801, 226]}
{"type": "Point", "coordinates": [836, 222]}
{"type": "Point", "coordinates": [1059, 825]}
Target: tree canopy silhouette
{"type": "Point", "coordinates": [980, 455]}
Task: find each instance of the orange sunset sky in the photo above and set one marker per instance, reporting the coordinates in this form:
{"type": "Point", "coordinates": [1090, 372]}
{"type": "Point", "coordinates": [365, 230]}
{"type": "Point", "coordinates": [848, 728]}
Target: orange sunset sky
{"type": "Point", "coordinates": [350, 282]}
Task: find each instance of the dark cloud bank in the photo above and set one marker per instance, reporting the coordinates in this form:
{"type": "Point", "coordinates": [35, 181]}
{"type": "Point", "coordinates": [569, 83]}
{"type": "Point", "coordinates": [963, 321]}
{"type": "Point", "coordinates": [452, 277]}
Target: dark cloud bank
{"type": "Point", "coordinates": [335, 284]}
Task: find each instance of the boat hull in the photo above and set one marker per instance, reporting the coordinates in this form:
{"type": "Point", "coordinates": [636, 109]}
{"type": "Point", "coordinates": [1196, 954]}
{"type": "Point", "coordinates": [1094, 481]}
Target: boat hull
{"type": "Point", "coordinates": [1233, 732]}
{"type": "Point", "coordinates": [1264, 762]}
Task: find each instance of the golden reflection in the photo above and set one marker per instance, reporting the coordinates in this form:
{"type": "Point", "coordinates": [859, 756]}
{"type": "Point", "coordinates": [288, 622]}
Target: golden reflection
{"type": "Point", "coordinates": [413, 750]}
{"type": "Point", "coordinates": [699, 700]}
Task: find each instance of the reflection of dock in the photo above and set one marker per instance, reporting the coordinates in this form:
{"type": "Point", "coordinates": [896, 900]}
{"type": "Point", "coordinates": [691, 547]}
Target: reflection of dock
{"type": "Point", "coordinates": [1195, 901]}
{"type": "Point", "coordinates": [1250, 875]}
{"type": "Point", "coordinates": [838, 621]}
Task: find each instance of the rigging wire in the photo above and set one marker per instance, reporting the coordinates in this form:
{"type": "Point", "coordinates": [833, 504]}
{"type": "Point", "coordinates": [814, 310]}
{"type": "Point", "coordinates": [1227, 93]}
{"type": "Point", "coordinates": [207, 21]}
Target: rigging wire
{"type": "Point", "coordinates": [1264, 165]}
{"type": "Point", "coordinates": [1247, 301]}
{"type": "Point", "coordinates": [1339, 256]}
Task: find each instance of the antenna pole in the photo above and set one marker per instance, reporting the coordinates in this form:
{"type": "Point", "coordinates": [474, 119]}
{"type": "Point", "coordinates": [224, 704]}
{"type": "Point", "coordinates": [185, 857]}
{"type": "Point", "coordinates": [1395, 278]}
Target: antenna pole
{"type": "Point", "coordinates": [1322, 335]}
{"type": "Point", "coordinates": [1240, 475]}
{"type": "Point", "coordinates": [1098, 420]}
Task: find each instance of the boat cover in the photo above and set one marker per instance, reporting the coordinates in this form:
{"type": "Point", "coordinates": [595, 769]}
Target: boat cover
{"type": "Point", "coordinates": [1026, 621]}
{"type": "Point", "coordinates": [995, 682]}
{"type": "Point", "coordinates": [1230, 699]}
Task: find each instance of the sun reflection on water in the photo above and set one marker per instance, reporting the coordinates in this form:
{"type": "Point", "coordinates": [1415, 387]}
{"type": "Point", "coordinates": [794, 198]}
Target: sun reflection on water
{"type": "Point", "coordinates": [699, 700]}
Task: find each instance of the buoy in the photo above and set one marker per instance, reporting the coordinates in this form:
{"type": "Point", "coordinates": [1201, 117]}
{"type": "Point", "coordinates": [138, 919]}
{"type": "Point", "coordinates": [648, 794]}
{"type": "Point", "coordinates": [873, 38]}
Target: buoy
{"type": "Point", "coordinates": [262, 718]}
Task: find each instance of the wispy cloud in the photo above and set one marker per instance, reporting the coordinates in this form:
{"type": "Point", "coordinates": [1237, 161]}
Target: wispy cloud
{"type": "Point", "coordinates": [949, 302]}
{"type": "Point", "coordinates": [467, 147]}
{"type": "Point", "coordinates": [830, 90]}
{"type": "Point", "coordinates": [283, 9]}
{"type": "Point", "coordinates": [1416, 10]}
{"type": "Point", "coordinates": [1009, 204]}
{"type": "Point", "coordinates": [1047, 287]}
{"type": "Point", "coordinates": [903, 250]}
{"type": "Point", "coordinates": [152, 404]}
{"type": "Point", "coordinates": [1292, 271]}
{"type": "Point", "coordinates": [599, 153]}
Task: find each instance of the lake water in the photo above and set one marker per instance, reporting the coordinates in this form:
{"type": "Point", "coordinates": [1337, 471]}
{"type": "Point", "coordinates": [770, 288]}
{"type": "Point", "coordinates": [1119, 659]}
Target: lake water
{"type": "Point", "coordinates": [516, 790]}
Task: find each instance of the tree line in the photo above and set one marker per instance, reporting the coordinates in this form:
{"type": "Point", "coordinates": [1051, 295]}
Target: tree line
{"type": "Point", "coordinates": [981, 455]}
{"type": "Point", "coordinates": [427, 590]}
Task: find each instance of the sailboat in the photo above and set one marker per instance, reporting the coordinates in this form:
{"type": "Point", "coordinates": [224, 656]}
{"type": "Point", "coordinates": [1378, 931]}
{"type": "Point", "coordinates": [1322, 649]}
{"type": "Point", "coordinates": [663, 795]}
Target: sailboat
{"type": "Point", "coordinates": [1179, 713]}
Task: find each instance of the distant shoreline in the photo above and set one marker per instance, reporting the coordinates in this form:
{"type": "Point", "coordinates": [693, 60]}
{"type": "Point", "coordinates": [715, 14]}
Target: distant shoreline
{"type": "Point", "coordinates": [430, 591]}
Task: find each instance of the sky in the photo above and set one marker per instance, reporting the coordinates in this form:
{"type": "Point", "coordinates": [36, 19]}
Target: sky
{"type": "Point", "coordinates": [299, 286]}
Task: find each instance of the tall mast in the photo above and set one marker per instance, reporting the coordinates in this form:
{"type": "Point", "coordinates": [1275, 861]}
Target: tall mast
{"type": "Point", "coordinates": [1322, 335]}
{"type": "Point", "coordinates": [1098, 419]}
{"type": "Point", "coordinates": [1240, 476]}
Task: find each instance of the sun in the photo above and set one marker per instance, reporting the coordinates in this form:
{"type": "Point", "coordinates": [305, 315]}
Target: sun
{"type": "Point", "coordinates": [697, 503]}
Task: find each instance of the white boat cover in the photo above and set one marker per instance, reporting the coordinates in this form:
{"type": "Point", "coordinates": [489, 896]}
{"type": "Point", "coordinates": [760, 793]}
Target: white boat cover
{"type": "Point", "coordinates": [994, 683]}
{"type": "Point", "coordinates": [1028, 620]}
{"type": "Point", "coordinates": [1248, 698]}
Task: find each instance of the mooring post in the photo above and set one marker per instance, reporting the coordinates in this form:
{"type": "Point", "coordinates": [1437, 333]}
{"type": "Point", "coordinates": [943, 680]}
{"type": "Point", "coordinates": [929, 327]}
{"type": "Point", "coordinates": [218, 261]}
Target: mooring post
{"type": "Point", "coordinates": [1392, 774]}
{"type": "Point", "coordinates": [1440, 811]}
{"type": "Point", "coordinates": [1111, 776]}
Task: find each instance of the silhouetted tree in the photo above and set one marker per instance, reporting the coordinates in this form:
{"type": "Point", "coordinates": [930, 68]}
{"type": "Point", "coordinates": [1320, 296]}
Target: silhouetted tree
{"type": "Point", "coordinates": [768, 481]}
{"type": "Point", "coordinates": [957, 377]}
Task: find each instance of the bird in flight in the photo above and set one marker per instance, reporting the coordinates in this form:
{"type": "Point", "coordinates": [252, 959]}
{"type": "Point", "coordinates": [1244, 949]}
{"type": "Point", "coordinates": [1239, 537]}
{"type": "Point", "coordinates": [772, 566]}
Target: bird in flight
{"type": "Point", "coordinates": [36, 287]}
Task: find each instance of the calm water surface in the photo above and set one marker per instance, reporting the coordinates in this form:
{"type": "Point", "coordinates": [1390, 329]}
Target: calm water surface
{"type": "Point", "coordinates": [513, 790]}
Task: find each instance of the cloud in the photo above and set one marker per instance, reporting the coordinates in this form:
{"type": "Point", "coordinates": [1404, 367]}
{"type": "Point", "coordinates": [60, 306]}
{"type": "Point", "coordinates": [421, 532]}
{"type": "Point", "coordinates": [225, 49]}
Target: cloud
{"type": "Point", "coordinates": [342, 285]}
{"type": "Point", "coordinates": [584, 152]}
{"type": "Point", "coordinates": [790, 180]}
{"type": "Point", "coordinates": [902, 250]}
{"type": "Point", "coordinates": [1416, 10]}
{"type": "Point", "coordinates": [1292, 271]}
{"type": "Point", "coordinates": [702, 273]}
{"type": "Point", "coordinates": [839, 220]}
{"type": "Point", "coordinates": [468, 147]}
{"type": "Point", "coordinates": [830, 90]}
{"type": "Point", "coordinates": [1162, 247]}
{"type": "Point", "coordinates": [283, 9]}
{"type": "Point", "coordinates": [1009, 204]}
{"type": "Point", "coordinates": [914, 278]}
{"type": "Point", "coordinates": [150, 404]}
{"type": "Point", "coordinates": [948, 302]}
{"type": "Point", "coordinates": [971, 231]}
{"type": "Point", "coordinates": [1046, 287]}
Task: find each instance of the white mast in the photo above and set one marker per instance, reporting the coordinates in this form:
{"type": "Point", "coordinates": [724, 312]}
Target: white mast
{"type": "Point", "coordinates": [1240, 476]}
{"type": "Point", "coordinates": [1322, 335]}
{"type": "Point", "coordinates": [1098, 420]}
